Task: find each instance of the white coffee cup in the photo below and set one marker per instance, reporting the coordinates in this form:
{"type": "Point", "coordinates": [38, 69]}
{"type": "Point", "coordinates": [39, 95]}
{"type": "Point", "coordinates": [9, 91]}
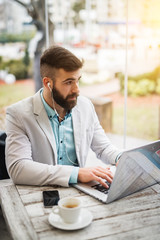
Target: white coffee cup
{"type": "Point", "coordinates": [68, 209]}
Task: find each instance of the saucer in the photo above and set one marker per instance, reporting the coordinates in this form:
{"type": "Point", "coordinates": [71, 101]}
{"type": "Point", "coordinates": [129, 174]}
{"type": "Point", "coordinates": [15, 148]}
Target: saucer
{"type": "Point", "coordinates": [84, 220]}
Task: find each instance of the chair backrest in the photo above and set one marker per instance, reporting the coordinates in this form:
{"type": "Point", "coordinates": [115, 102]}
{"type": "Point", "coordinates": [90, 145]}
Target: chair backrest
{"type": "Point", "coordinates": [3, 170]}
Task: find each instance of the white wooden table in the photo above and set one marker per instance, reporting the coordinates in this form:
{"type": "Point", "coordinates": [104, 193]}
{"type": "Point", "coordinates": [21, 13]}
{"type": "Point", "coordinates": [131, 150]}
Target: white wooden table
{"type": "Point", "coordinates": [134, 217]}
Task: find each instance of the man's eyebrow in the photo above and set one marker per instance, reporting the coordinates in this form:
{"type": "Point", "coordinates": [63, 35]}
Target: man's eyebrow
{"type": "Point", "coordinates": [71, 79]}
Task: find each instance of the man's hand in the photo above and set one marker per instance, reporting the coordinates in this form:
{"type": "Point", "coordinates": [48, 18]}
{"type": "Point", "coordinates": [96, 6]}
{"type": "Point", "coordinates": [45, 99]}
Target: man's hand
{"type": "Point", "coordinates": [98, 174]}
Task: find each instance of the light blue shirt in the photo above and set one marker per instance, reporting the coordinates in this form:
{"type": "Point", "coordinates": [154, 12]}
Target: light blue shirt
{"type": "Point", "coordinates": [64, 137]}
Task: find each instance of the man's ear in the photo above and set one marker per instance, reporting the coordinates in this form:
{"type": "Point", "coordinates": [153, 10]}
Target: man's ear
{"type": "Point", "coordinates": [46, 80]}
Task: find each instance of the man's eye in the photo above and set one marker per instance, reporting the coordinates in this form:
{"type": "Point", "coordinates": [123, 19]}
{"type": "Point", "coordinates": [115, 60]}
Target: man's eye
{"type": "Point", "coordinates": [69, 83]}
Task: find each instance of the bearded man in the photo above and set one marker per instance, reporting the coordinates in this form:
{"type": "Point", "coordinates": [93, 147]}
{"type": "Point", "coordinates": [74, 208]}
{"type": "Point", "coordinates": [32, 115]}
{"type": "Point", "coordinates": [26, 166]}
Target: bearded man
{"type": "Point", "coordinates": [49, 134]}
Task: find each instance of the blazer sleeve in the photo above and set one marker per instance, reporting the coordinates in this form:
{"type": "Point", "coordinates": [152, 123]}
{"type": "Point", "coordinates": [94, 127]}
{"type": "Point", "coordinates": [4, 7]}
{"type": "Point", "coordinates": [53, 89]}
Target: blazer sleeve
{"type": "Point", "coordinates": [90, 134]}
{"type": "Point", "coordinates": [102, 145]}
{"type": "Point", "coordinates": [19, 161]}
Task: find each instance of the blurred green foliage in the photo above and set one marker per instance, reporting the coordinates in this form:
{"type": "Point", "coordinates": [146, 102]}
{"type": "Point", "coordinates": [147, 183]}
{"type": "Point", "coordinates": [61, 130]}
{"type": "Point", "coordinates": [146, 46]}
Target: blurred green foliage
{"type": "Point", "coordinates": [11, 93]}
{"type": "Point", "coordinates": [19, 68]}
{"type": "Point", "coordinates": [143, 84]}
{"type": "Point", "coordinates": [23, 37]}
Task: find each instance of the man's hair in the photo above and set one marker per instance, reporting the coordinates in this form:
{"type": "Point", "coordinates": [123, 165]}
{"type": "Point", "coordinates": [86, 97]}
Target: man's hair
{"type": "Point", "coordinates": [56, 57]}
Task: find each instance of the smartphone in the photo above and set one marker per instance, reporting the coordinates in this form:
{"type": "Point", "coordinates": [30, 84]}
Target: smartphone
{"type": "Point", "coordinates": [50, 198]}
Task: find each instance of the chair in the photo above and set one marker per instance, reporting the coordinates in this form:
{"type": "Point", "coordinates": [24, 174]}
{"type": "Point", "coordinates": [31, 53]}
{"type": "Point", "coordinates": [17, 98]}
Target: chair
{"type": "Point", "coordinates": [3, 170]}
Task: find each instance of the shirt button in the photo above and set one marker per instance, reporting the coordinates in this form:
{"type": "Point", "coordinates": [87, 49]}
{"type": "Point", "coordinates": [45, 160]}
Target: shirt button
{"type": "Point", "coordinates": [61, 141]}
{"type": "Point", "coordinates": [60, 158]}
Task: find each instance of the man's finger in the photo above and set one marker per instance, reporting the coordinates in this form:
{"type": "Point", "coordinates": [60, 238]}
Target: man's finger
{"type": "Point", "coordinates": [105, 175]}
{"type": "Point", "coordinates": [98, 179]}
{"type": "Point", "coordinates": [102, 176]}
{"type": "Point", "coordinates": [105, 170]}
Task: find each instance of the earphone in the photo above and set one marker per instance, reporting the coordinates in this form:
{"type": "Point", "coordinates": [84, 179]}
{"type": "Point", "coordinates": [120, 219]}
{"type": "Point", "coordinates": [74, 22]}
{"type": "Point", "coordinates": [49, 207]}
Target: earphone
{"type": "Point", "coordinates": [49, 86]}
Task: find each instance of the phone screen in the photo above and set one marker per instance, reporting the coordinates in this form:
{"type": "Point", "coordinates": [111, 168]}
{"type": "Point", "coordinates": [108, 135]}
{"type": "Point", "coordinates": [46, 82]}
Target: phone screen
{"type": "Point", "coordinates": [50, 198]}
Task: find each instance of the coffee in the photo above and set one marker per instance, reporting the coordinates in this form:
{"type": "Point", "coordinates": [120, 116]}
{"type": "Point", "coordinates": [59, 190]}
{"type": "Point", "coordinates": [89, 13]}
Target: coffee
{"type": "Point", "coordinates": [70, 206]}
{"type": "Point", "coordinates": [68, 209]}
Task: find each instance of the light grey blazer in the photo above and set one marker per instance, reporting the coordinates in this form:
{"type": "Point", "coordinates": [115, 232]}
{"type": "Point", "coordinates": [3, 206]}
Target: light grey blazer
{"type": "Point", "coordinates": [31, 155]}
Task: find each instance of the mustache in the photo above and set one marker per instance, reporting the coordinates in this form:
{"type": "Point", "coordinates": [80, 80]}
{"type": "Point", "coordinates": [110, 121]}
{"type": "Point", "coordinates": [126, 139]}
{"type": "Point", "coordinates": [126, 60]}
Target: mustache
{"type": "Point", "coordinates": [72, 96]}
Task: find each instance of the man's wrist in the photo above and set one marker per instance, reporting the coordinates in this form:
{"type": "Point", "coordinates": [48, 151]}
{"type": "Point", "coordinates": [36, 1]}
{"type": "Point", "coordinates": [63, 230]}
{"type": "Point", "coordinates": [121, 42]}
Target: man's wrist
{"type": "Point", "coordinates": [74, 176]}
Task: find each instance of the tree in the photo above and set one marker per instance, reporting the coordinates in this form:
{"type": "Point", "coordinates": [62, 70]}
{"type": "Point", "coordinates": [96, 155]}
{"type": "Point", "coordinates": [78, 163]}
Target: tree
{"type": "Point", "coordinates": [36, 9]}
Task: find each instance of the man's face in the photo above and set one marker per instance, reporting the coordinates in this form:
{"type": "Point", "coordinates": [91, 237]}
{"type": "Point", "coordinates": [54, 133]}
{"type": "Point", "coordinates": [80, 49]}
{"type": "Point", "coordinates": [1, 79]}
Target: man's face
{"type": "Point", "coordinates": [66, 88]}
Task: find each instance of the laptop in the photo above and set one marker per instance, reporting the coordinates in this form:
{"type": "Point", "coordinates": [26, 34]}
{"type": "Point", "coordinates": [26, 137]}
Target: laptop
{"type": "Point", "coordinates": [138, 168]}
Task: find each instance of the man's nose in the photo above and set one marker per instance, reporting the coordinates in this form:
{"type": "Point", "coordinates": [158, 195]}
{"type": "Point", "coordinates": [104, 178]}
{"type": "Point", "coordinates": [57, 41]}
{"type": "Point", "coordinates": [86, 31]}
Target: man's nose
{"type": "Point", "coordinates": [75, 88]}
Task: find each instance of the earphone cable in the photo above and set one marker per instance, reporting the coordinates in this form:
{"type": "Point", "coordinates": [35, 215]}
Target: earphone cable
{"type": "Point", "coordinates": [55, 107]}
{"type": "Point", "coordinates": [75, 164]}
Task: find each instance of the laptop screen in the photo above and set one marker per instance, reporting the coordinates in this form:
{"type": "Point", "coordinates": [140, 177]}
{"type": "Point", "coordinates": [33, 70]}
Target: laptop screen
{"type": "Point", "coordinates": [152, 152]}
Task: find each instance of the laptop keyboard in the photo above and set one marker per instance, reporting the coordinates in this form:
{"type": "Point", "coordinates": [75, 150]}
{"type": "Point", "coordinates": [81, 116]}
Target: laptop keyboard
{"type": "Point", "coordinates": [100, 188]}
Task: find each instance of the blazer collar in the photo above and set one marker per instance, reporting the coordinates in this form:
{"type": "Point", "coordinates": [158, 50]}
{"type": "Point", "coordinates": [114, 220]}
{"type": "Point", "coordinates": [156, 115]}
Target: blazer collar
{"type": "Point", "coordinates": [45, 125]}
{"type": "Point", "coordinates": [43, 121]}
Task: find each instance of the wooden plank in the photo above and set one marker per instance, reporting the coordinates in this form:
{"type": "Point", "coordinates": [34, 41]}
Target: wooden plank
{"type": "Point", "coordinates": [5, 182]}
{"type": "Point", "coordinates": [119, 209]}
{"type": "Point", "coordinates": [37, 209]}
{"type": "Point", "coordinates": [15, 214]}
{"type": "Point", "coordinates": [145, 233]}
{"type": "Point", "coordinates": [147, 199]}
{"type": "Point", "coordinates": [108, 226]}
{"type": "Point", "coordinates": [126, 207]}
{"type": "Point", "coordinates": [25, 189]}
{"type": "Point", "coordinates": [29, 195]}
{"type": "Point", "coordinates": [102, 210]}
{"type": "Point", "coordinates": [33, 195]}
{"type": "Point", "coordinates": [36, 198]}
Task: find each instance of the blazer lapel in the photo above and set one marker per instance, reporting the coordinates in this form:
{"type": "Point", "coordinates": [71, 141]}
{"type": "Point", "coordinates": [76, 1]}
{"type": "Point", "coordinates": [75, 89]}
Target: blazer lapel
{"type": "Point", "coordinates": [43, 121]}
{"type": "Point", "coordinates": [77, 129]}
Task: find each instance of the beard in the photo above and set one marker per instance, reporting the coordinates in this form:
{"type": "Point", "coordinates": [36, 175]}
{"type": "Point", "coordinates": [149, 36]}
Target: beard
{"type": "Point", "coordinates": [66, 102]}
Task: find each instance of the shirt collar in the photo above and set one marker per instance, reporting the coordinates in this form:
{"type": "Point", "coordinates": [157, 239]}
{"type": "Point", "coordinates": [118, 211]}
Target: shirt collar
{"type": "Point", "coordinates": [50, 112]}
